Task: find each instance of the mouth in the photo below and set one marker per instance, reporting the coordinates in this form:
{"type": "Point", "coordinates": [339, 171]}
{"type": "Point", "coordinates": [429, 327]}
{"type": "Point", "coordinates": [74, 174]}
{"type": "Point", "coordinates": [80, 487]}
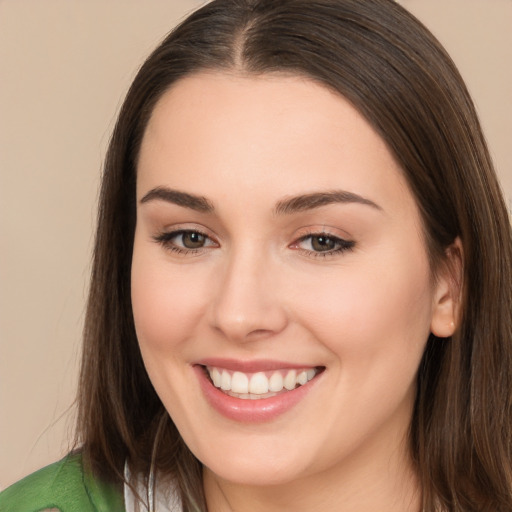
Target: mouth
{"type": "Point", "coordinates": [255, 392]}
{"type": "Point", "coordinates": [259, 385]}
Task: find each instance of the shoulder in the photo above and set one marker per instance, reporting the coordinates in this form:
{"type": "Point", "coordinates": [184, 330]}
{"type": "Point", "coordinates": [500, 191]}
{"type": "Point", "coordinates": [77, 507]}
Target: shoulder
{"type": "Point", "coordinates": [64, 486]}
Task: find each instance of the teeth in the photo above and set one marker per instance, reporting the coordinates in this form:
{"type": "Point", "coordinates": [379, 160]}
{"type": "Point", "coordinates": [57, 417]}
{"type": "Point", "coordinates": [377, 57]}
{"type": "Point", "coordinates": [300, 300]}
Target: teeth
{"type": "Point", "coordinates": [216, 377]}
{"type": "Point", "coordinates": [276, 383]}
{"type": "Point", "coordinates": [225, 381]}
{"type": "Point", "coordinates": [260, 384]}
{"type": "Point", "coordinates": [302, 378]}
{"type": "Point", "coordinates": [290, 380]}
{"type": "Point", "coordinates": [239, 383]}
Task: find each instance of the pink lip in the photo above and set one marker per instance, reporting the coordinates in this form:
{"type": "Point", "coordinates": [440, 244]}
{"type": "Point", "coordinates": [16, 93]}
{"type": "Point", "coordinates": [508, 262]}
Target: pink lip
{"type": "Point", "coordinates": [258, 365]}
{"type": "Point", "coordinates": [250, 411]}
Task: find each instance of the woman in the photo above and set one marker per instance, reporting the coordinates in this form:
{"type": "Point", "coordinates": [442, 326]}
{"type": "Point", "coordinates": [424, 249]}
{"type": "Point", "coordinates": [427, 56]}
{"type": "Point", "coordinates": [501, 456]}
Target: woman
{"type": "Point", "coordinates": [301, 288]}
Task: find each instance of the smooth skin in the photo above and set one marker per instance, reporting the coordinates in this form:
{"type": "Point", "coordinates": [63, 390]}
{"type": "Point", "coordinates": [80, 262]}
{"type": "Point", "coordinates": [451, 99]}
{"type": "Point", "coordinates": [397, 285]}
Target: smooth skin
{"type": "Point", "coordinates": [345, 285]}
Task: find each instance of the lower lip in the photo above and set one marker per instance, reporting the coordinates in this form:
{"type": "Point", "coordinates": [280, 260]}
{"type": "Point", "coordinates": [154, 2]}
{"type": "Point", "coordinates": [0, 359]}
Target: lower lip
{"type": "Point", "coordinates": [251, 411]}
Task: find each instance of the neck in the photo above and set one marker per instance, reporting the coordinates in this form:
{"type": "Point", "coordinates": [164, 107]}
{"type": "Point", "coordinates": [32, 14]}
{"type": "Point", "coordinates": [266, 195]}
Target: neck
{"type": "Point", "coordinates": [378, 479]}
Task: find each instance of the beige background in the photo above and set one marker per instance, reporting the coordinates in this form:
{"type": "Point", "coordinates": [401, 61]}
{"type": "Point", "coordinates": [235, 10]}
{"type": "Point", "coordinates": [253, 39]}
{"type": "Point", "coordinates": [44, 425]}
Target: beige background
{"type": "Point", "coordinates": [64, 67]}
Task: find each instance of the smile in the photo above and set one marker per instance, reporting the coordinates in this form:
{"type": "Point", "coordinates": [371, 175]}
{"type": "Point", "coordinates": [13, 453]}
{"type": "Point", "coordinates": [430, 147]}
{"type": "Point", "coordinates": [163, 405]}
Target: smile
{"type": "Point", "coordinates": [256, 391]}
{"type": "Point", "coordinates": [259, 385]}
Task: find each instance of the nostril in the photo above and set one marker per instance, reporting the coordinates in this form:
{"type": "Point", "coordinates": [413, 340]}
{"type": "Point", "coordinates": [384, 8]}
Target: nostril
{"type": "Point", "coordinates": [260, 333]}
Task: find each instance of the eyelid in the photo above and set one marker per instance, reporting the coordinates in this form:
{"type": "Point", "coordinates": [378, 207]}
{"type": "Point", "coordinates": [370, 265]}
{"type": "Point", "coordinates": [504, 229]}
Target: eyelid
{"type": "Point", "coordinates": [166, 235]}
{"type": "Point", "coordinates": [344, 244]}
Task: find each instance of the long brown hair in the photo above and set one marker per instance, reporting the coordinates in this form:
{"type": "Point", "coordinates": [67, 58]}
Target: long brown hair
{"type": "Point", "coordinates": [389, 66]}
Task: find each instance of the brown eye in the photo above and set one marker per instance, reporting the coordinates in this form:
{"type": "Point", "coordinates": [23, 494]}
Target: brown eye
{"type": "Point", "coordinates": [192, 240]}
{"type": "Point", "coordinates": [321, 243]}
{"type": "Point", "coordinates": [185, 241]}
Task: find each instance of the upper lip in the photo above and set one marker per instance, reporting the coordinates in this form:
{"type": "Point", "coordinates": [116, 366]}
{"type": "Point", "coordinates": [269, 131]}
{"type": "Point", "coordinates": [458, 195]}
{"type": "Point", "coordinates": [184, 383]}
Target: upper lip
{"type": "Point", "coordinates": [252, 366]}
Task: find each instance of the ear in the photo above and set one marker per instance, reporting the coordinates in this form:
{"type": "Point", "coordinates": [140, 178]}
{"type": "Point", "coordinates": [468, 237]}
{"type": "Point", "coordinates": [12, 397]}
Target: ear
{"type": "Point", "coordinates": [447, 296]}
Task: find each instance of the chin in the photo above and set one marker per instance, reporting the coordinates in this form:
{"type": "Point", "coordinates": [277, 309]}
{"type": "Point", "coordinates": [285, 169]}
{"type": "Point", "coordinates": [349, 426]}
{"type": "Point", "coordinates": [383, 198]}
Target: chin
{"type": "Point", "coordinates": [261, 473]}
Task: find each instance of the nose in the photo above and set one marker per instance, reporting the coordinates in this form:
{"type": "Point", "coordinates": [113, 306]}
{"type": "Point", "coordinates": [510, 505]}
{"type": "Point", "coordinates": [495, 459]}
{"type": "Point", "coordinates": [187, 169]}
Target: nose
{"type": "Point", "coordinates": [246, 305]}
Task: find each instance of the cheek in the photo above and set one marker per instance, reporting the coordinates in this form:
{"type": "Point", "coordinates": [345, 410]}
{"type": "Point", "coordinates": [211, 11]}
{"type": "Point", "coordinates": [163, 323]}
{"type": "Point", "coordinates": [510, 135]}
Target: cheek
{"type": "Point", "coordinates": [375, 323]}
{"type": "Point", "coordinates": [166, 305]}
{"type": "Point", "coordinates": [371, 309]}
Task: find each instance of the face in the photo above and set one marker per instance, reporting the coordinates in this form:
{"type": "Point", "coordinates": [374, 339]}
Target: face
{"type": "Point", "coordinates": [281, 288]}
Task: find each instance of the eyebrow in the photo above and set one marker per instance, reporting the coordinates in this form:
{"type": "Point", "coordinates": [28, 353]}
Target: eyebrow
{"type": "Point", "coordinates": [317, 199]}
{"type": "Point", "coordinates": [197, 203]}
{"type": "Point", "coordinates": [287, 206]}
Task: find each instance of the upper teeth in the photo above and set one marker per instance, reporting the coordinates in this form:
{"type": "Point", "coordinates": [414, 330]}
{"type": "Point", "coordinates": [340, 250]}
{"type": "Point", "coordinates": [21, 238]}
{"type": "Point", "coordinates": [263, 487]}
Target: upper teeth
{"type": "Point", "coordinates": [259, 383]}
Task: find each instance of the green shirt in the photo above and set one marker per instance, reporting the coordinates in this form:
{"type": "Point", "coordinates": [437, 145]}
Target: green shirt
{"type": "Point", "coordinates": [64, 485]}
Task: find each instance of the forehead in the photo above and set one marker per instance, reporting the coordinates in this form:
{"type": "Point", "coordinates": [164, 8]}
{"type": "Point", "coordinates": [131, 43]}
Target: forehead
{"type": "Point", "coordinates": [276, 134]}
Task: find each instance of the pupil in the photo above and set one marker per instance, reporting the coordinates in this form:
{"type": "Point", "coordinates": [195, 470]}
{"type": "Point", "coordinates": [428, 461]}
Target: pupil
{"type": "Point", "coordinates": [322, 243]}
{"type": "Point", "coordinates": [193, 240]}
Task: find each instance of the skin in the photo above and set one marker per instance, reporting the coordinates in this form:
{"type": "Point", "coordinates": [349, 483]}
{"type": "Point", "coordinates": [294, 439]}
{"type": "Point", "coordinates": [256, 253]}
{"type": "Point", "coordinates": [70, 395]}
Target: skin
{"type": "Point", "coordinates": [259, 289]}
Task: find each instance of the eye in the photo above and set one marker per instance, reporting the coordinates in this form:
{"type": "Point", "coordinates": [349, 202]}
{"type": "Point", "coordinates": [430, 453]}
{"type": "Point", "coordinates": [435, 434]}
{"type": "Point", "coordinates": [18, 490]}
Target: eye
{"type": "Point", "coordinates": [185, 240]}
{"type": "Point", "coordinates": [322, 244]}
{"type": "Point", "coordinates": [191, 239]}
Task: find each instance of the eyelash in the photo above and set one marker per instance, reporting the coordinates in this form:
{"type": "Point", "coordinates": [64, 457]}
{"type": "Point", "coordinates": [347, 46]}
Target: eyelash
{"type": "Point", "coordinates": [165, 239]}
{"type": "Point", "coordinates": [343, 245]}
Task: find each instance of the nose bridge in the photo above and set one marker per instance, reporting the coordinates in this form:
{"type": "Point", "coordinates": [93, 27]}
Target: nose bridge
{"type": "Point", "coordinates": [246, 305]}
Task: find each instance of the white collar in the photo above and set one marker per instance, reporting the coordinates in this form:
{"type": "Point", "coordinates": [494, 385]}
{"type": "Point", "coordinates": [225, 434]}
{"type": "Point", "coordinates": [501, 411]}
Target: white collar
{"type": "Point", "coordinates": [167, 500]}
